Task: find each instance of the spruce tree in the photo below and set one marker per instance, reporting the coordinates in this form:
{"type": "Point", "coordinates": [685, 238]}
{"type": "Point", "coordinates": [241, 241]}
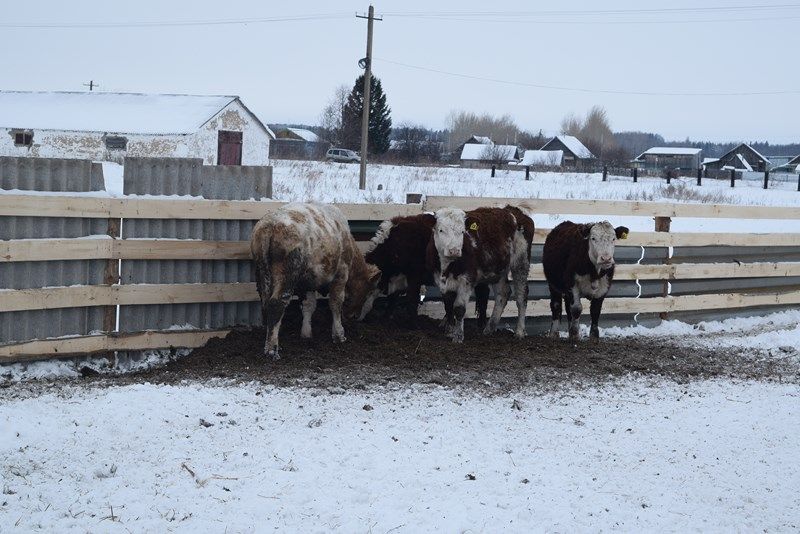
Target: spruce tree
{"type": "Point", "coordinates": [380, 119]}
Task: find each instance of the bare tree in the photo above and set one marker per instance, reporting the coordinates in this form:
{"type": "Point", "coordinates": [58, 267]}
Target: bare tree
{"type": "Point", "coordinates": [463, 124]}
{"type": "Point", "coordinates": [496, 154]}
{"type": "Point", "coordinates": [330, 119]}
{"type": "Point", "coordinates": [594, 131]}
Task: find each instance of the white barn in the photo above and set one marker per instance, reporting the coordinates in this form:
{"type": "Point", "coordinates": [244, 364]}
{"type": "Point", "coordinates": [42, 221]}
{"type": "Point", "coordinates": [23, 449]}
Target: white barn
{"type": "Point", "coordinates": [109, 126]}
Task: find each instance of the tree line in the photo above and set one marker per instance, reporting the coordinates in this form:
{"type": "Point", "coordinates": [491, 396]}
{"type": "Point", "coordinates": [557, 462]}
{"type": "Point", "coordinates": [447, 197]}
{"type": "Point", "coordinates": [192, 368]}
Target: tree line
{"type": "Point", "coordinates": [340, 125]}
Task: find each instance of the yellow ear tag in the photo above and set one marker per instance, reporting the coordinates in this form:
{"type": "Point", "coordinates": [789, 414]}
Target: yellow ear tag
{"type": "Point", "coordinates": [473, 226]}
{"type": "Point", "coordinates": [624, 235]}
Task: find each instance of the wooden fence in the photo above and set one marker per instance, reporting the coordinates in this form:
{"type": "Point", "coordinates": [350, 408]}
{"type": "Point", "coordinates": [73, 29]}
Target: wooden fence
{"type": "Point", "coordinates": [113, 249]}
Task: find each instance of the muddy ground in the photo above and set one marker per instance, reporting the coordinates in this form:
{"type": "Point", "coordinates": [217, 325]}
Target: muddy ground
{"type": "Point", "coordinates": [382, 353]}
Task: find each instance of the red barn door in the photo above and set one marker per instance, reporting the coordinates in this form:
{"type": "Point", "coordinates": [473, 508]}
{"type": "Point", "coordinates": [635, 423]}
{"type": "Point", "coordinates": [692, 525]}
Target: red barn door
{"type": "Point", "coordinates": [229, 148]}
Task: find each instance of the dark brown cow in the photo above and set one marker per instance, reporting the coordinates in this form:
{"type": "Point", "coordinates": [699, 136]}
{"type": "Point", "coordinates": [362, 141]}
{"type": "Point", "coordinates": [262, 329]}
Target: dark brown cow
{"type": "Point", "coordinates": [300, 249]}
{"type": "Point", "coordinates": [481, 247]}
{"type": "Point", "coordinates": [578, 261]}
{"type": "Point", "coordinates": [398, 250]}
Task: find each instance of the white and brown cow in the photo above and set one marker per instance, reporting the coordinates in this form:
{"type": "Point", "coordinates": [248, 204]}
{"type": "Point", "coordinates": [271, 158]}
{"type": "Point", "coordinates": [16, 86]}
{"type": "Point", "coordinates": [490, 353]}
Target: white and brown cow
{"type": "Point", "coordinates": [578, 261]}
{"type": "Point", "coordinates": [479, 248]}
{"type": "Point", "coordinates": [300, 249]}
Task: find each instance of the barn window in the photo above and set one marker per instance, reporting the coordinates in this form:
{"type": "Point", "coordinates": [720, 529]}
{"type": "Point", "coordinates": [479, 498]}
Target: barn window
{"type": "Point", "coordinates": [22, 138]}
{"type": "Point", "coordinates": [116, 142]}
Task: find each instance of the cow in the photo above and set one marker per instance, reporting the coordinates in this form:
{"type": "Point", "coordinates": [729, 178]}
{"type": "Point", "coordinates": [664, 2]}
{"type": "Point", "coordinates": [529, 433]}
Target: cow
{"type": "Point", "coordinates": [475, 249]}
{"type": "Point", "coordinates": [398, 249]}
{"type": "Point", "coordinates": [300, 249]}
{"type": "Point", "coordinates": [578, 261]}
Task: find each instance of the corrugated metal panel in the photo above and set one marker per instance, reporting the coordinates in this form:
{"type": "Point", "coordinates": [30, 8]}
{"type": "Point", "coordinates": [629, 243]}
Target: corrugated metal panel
{"type": "Point", "coordinates": [189, 177]}
{"type": "Point", "coordinates": [50, 174]}
{"type": "Point", "coordinates": [42, 174]}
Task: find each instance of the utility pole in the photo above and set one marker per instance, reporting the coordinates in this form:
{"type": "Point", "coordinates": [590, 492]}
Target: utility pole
{"type": "Point", "coordinates": [366, 64]}
{"type": "Point", "coordinates": [91, 85]}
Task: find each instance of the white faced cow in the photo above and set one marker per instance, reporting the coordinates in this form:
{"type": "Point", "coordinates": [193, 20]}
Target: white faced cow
{"type": "Point", "coordinates": [479, 248]}
{"type": "Point", "coordinates": [300, 249]}
{"type": "Point", "coordinates": [578, 261]}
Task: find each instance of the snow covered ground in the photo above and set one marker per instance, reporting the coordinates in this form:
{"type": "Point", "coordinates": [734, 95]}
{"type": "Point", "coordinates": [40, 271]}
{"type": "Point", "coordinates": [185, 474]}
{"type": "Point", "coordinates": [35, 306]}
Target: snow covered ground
{"type": "Point", "coordinates": [639, 456]}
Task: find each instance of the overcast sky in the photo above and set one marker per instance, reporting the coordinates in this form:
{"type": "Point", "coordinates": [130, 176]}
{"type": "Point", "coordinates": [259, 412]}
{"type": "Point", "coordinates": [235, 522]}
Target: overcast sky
{"type": "Point", "coordinates": [286, 70]}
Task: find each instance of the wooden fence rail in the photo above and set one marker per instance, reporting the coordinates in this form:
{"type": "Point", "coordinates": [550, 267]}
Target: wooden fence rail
{"type": "Point", "coordinates": [112, 295]}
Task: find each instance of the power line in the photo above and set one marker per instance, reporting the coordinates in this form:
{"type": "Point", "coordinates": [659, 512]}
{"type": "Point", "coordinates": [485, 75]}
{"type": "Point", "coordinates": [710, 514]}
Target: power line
{"type": "Point", "coordinates": [587, 90]}
{"type": "Point", "coordinates": [595, 11]}
{"type": "Point", "coordinates": [608, 22]}
{"type": "Point", "coordinates": [158, 24]}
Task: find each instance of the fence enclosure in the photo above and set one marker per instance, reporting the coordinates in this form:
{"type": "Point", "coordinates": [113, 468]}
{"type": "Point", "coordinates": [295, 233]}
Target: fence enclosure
{"type": "Point", "coordinates": [83, 274]}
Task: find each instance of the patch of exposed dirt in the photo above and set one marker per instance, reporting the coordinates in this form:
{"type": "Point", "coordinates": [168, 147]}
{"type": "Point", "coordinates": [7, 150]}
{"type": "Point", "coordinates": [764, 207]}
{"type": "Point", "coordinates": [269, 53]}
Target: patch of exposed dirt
{"type": "Point", "coordinates": [381, 353]}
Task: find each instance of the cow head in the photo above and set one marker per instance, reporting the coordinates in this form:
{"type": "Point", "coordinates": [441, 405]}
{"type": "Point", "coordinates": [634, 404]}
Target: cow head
{"type": "Point", "coordinates": [602, 237]}
{"type": "Point", "coordinates": [448, 233]}
{"type": "Point", "coordinates": [361, 292]}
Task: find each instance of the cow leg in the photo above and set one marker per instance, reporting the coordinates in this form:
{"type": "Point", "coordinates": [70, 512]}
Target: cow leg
{"type": "Point", "coordinates": [575, 310]}
{"type": "Point", "coordinates": [555, 309]}
{"type": "Point", "coordinates": [460, 309]}
{"type": "Point", "coordinates": [481, 303]}
{"type": "Point", "coordinates": [391, 304]}
{"type": "Point", "coordinates": [309, 305]}
{"type": "Point", "coordinates": [449, 299]}
{"type": "Point", "coordinates": [273, 310]}
{"type": "Point", "coordinates": [521, 294]}
{"type": "Point", "coordinates": [595, 308]}
{"type": "Point", "coordinates": [501, 293]}
{"type": "Point", "coordinates": [335, 300]}
{"type": "Point", "coordinates": [412, 300]}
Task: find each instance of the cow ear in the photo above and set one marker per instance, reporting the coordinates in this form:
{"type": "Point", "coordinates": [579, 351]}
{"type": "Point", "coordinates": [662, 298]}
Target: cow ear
{"type": "Point", "coordinates": [586, 229]}
{"type": "Point", "coordinates": [471, 224]}
{"type": "Point", "coordinates": [622, 232]}
{"type": "Point", "coordinates": [374, 276]}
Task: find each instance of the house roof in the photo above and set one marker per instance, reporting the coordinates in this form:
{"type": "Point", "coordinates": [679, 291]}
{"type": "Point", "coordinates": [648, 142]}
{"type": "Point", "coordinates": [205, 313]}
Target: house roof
{"type": "Point", "coordinates": [488, 152]}
{"type": "Point", "coordinates": [479, 139]}
{"type": "Point", "coordinates": [542, 157]}
{"type": "Point", "coordinates": [305, 135]}
{"type": "Point", "coordinates": [670, 151]}
{"type": "Point", "coordinates": [794, 160]}
{"type": "Point", "coordinates": [573, 145]}
{"type": "Point", "coordinates": [737, 147]}
{"type": "Point", "coordinates": [131, 113]}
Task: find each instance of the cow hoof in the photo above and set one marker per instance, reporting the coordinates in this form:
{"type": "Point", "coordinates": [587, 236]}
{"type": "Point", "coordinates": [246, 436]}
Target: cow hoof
{"type": "Point", "coordinates": [520, 335]}
{"type": "Point", "coordinates": [339, 339]}
{"type": "Point", "coordinates": [273, 354]}
{"type": "Point", "coordinates": [594, 338]}
{"type": "Point", "coordinates": [458, 337]}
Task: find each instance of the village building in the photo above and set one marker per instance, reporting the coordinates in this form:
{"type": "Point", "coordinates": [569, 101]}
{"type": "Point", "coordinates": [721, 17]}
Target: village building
{"type": "Point", "coordinates": [670, 157]}
{"type": "Point", "coordinates": [742, 157]}
{"type": "Point", "coordinates": [542, 158]}
{"type": "Point", "coordinates": [478, 155]}
{"type": "Point", "coordinates": [790, 165]}
{"type": "Point", "coordinates": [103, 126]}
{"type": "Point", "coordinates": [297, 143]}
{"type": "Point", "coordinates": [574, 152]}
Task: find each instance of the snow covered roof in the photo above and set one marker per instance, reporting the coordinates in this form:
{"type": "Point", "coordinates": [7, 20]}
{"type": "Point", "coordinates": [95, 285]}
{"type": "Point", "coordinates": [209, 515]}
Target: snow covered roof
{"type": "Point", "coordinates": [709, 160]}
{"type": "Point", "coordinates": [488, 152]}
{"type": "Point", "coordinates": [542, 157]}
{"type": "Point", "coordinates": [479, 139]}
{"type": "Point", "coordinates": [131, 113]}
{"type": "Point", "coordinates": [305, 135]}
{"type": "Point", "coordinates": [671, 151]}
{"type": "Point", "coordinates": [573, 145]}
{"type": "Point", "coordinates": [744, 162]}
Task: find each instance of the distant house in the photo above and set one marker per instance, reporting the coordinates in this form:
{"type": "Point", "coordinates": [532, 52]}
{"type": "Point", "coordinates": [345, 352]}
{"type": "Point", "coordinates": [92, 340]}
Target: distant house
{"type": "Point", "coordinates": [743, 157]}
{"type": "Point", "coordinates": [480, 154]}
{"type": "Point", "coordinates": [659, 157]}
{"type": "Point", "coordinates": [574, 153]}
{"type": "Point", "coordinates": [542, 158]}
{"type": "Point", "coordinates": [791, 166]}
{"type": "Point", "coordinates": [100, 126]}
{"type": "Point", "coordinates": [298, 143]}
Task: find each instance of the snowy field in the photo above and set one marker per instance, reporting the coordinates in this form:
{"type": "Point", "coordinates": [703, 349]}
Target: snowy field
{"type": "Point", "coordinates": [639, 456]}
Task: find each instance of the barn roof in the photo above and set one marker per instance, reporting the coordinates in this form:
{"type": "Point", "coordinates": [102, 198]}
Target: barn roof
{"type": "Point", "coordinates": [573, 145]}
{"type": "Point", "coordinates": [306, 135]}
{"type": "Point", "coordinates": [488, 152]}
{"type": "Point", "coordinates": [131, 113]}
{"type": "Point", "coordinates": [670, 151]}
{"type": "Point", "coordinates": [542, 157]}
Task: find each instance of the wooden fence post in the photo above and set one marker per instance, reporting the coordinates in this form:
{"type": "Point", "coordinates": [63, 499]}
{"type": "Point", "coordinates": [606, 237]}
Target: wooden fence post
{"type": "Point", "coordinates": [662, 225]}
{"type": "Point", "coordinates": [766, 179]}
{"type": "Point", "coordinates": [669, 176]}
{"type": "Point", "coordinates": [699, 176]}
{"type": "Point", "coordinates": [798, 181]}
{"type": "Point", "coordinates": [733, 177]}
{"type": "Point", "coordinates": [635, 174]}
{"type": "Point", "coordinates": [493, 168]}
{"type": "Point", "coordinates": [527, 172]}
{"type": "Point", "coordinates": [605, 173]}
{"type": "Point", "coordinates": [111, 277]}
